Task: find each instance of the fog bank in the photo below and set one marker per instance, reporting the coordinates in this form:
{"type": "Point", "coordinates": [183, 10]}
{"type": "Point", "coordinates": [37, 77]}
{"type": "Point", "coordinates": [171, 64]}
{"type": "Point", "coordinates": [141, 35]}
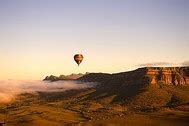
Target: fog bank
{"type": "Point", "coordinates": [10, 88]}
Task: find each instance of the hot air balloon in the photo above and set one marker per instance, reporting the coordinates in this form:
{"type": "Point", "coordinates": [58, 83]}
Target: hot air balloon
{"type": "Point", "coordinates": [78, 58]}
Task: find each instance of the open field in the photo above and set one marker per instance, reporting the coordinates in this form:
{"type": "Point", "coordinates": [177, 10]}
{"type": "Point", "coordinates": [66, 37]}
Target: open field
{"type": "Point", "coordinates": [35, 110]}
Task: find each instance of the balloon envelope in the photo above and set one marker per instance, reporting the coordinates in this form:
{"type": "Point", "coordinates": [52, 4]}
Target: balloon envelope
{"type": "Point", "coordinates": [78, 58]}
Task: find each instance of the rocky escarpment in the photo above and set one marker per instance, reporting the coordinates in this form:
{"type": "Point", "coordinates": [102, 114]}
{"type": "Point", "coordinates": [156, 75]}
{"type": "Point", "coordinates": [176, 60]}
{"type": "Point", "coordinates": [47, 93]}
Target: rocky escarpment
{"type": "Point", "coordinates": [168, 75]}
{"type": "Point", "coordinates": [146, 75]}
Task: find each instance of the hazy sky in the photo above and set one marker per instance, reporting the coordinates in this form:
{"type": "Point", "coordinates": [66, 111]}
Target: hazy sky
{"type": "Point", "coordinates": [40, 37]}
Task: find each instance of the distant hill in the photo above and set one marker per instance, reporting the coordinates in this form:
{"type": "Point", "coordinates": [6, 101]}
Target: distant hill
{"type": "Point", "coordinates": [64, 77]}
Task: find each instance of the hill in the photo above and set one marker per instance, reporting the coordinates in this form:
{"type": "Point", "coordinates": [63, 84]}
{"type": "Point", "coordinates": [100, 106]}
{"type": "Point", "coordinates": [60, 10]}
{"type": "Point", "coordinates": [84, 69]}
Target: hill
{"type": "Point", "coordinates": [151, 75]}
{"type": "Point", "coordinates": [144, 87]}
{"type": "Point", "coordinates": [63, 77]}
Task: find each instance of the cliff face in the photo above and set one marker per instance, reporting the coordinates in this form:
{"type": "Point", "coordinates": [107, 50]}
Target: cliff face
{"type": "Point", "coordinates": [168, 75]}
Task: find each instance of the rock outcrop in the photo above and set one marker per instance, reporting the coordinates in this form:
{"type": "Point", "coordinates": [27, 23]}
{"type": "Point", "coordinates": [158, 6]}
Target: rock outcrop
{"type": "Point", "coordinates": [51, 78]}
{"type": "Point", "coordinates": [168, 75]}
{"type": "Point", "coordinates": [64, 77]}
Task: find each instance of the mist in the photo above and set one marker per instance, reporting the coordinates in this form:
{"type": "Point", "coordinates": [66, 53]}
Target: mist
{"type": "Point", "coordinates": [164, 64]}
{"type": "Point", "coordinates": [9, 89]}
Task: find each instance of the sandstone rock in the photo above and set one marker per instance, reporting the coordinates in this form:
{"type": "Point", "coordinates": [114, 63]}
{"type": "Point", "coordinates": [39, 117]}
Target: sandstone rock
{"type": "Point", "coordinates": [168, 75]}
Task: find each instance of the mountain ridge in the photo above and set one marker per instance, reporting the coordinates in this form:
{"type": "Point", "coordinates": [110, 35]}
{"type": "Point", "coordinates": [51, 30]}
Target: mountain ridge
{"type": "Point", "coordinates": [72, 76]}
{"type": "Point", "coordinates": [152, 75]}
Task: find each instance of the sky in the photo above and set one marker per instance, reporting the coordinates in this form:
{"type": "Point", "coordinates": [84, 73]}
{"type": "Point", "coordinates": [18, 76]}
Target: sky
{"type": "Point", "coordinates": [40, 37]}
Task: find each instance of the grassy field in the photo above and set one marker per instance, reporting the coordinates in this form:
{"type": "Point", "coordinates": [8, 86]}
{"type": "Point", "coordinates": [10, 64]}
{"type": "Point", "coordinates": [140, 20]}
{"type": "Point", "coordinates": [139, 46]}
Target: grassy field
{"type": "Point", "coordinates": [44, 109]}
{"type": "Point", "coordinates": [168, 118]}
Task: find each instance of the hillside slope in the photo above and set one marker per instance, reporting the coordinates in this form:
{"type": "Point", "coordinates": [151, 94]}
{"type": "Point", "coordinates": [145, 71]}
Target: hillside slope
{"type": "Point", "coordinates": [144, 87]}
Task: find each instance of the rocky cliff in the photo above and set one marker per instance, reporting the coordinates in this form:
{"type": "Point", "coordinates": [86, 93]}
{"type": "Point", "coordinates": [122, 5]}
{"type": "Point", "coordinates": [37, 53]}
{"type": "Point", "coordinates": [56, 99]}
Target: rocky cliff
{"type": "Point", "coordinates": [168, 75]}
{"type": "Point", "coordinates": [146, 75]}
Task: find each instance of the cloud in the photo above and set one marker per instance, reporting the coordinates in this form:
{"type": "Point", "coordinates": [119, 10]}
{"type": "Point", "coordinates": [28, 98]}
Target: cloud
{"type": "Point", "coordinates": [164, 64]}
{"type": "Point", "coordinates": [10, 88]}
{"type": "Point", "coordinates": [185, 63]}
{"type": "Point", "coordinates": [153, 64]}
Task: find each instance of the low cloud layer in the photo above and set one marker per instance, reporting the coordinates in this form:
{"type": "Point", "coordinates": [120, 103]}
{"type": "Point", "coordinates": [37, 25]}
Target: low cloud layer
{"type": "Point", "coordinates": [164, 64]}
{"type": "Point", "coordinates": [185, 63]}
{"type": "Point", "coordinates": [10, 88]}
{"type": "Point", "coordinates": [155, 64]}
